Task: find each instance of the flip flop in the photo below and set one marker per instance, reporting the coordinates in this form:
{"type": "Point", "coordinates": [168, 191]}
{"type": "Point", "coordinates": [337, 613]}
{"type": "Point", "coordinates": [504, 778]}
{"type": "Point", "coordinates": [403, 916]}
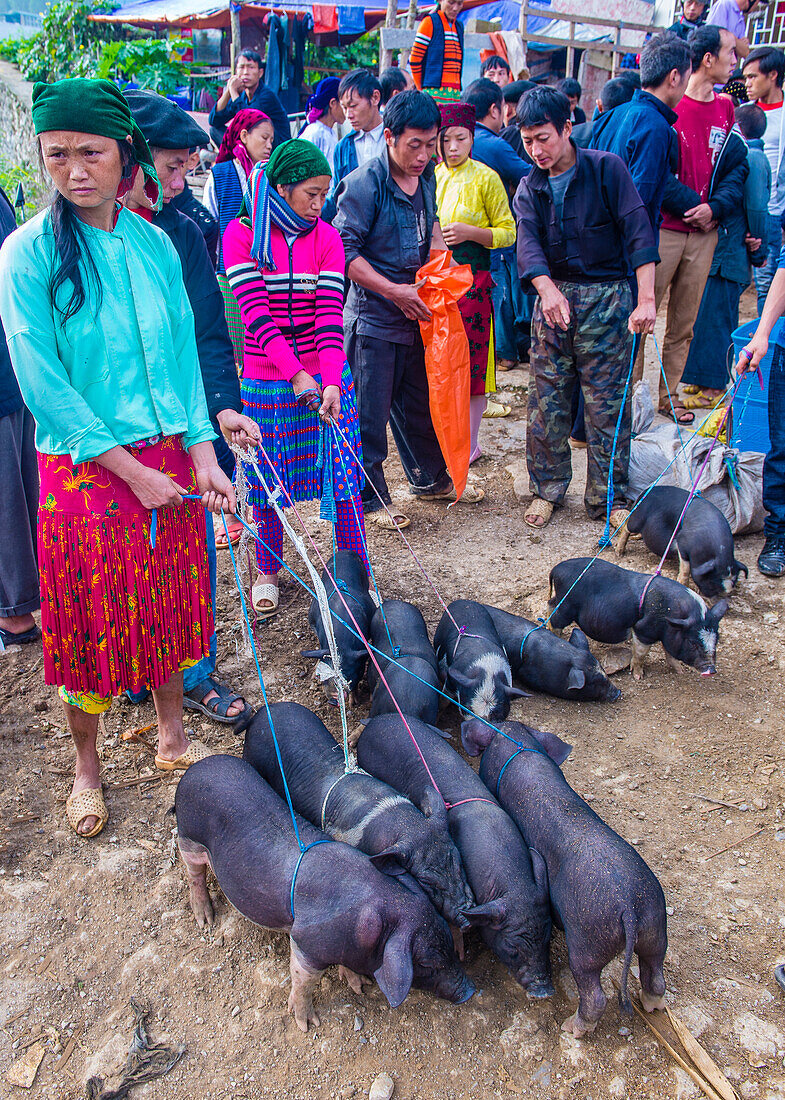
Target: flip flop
{"type": "Point", "coordinates": [700, 400]}
{"type": "Point", "coordinates": [680, 415]}
{"type": "Point", "coordinates": [235, 534]}
{"type": "Point", "coordinates": [264, 598]}
{"type": "Point", "coordinates": [470, 495]}
{"type": "Point", "coordinates": [216, 709]}
{"type": "Point", "coordinates": [505, 364]}
{"type": "Point", "coordinates": [195, 751]}
{"type": "Point", "coordinates": [386, 522]}
{"type": "Point", "coordinates": [495, 409]}
{"type": "Point", "coordinates": [25, 638]}
{"type": "Point", "coordinates": [87, 803]}
{"type": "Point", "coordinates": [541, 509]}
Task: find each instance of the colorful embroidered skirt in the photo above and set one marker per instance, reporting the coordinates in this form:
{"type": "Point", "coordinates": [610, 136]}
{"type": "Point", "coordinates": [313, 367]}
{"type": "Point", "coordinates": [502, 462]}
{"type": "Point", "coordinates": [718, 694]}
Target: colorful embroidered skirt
{"type": "Point", "coordinates": [290, 437]}
{"type": "Point", "coordinates": [477, 312]}
{"type": "Point", "coordinates": [115, 614]}
{"type": "Point", "coordinates": [234, 322]}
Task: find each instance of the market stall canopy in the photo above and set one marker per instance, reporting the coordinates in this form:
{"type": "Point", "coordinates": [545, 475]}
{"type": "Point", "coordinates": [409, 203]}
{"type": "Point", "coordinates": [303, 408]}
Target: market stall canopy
{"type": "Point", "coordinates": [206, 14]}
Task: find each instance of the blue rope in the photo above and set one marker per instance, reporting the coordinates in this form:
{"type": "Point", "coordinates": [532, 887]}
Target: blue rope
{"type": "Point", "coordinates": [521, 748]}
{"type": "Point", "coordinates": [605, 537]}
{"type": "Point", "coordinates": [668, 389]}
{"type": "Point", "coordinates": [307, 848]}
{"type": "Point", "coordinates": [364, 537]}
{"type": "Point", "coordinates": [539, 626]}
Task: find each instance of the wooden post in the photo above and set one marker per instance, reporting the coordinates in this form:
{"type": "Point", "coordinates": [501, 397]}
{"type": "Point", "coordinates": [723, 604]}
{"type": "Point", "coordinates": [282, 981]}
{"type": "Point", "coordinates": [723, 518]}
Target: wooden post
{"type": "Point", "coordinates": [235, 44]}
{"type": "Point", "coordinates": [385, 56]}
{"type": "Point", "coordinates": [616, 56]}
{"type": "Point", "coordinates": [411, 23]}
{"type": "Point", "coordinates": [570, 63]}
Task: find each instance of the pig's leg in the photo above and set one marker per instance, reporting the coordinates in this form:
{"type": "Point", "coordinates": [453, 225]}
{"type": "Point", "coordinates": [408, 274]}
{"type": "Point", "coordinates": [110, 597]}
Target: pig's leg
{"type": "Point", "coordinates": [591, 1003]}
{"type": "Point", "coordinates": [622, 540]}
{"type": "Point", "coordinates": [304, 980]}
{"type": "Point", "coordinates": [354, 981]}
{"type": "Point", "coordinates": [639, 651]}
{"type": "Point", "coordinates": [196, 861]}
{"type": "Point", "coordinates": [684, 571]}
{"type": "Point", "coordinates": [652, 981]}
{"type": "Point", "coordinates": [673, 664]}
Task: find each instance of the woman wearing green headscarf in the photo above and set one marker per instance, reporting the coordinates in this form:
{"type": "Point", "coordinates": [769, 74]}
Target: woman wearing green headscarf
{"type": "Point", "coordinates": [286, 267]}
{"type": "Point", "coordinates": [101, 338]}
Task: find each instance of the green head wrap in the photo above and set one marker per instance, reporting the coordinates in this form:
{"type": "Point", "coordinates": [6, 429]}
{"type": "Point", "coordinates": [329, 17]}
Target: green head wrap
{"type": "Point", "coordinates": [295, 161]}
{"type": "Point", "coordinates": [94, 107]}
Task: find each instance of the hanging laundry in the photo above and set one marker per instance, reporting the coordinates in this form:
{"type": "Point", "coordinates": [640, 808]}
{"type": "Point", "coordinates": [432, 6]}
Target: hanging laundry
{"type": "Point", "coordinates": [325, 19]}
{"type": "Point", "coordinates": [351, 19]}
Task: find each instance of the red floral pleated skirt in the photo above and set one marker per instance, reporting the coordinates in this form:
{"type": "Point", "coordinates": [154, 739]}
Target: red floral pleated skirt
{"type": "Point", "coordinates": [117, 615]}
{"type": "Point", "coordinates": [476, 308]}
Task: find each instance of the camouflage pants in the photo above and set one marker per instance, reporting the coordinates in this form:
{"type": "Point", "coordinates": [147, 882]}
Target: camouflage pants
{"type": "Point", "coordinates": [594, 353]}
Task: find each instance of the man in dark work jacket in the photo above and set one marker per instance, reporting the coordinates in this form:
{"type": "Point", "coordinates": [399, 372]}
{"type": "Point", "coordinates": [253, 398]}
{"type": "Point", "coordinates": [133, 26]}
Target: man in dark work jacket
{"type": "Point", "coordinates": [171, 133]}
{"type": "Point", "coordinates": [581, 228]}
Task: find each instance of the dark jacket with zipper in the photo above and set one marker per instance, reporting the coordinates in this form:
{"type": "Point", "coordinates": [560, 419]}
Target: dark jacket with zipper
{"type": "Point", "coordinates": [726, 186]}
{"type": "Point", "coordinates": [376, 220]}
{"type": "Point", "coordinates": [605, 229]}
{"type": "Point", "coordinates": [10, 394]}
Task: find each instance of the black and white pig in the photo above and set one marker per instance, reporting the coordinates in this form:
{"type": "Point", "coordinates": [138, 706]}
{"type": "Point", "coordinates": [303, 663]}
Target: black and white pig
{"type": "Point", "coordinates": [610, 604]}
{"type": "Point", "coordinates": [603, 895]}
{"type": "Point", "coordinates": [703, 543]}
{"type": "Point", "coordinates": [509, 886]}
{"type": "Point", "coordinates": [349, 571]}
{"type": "Point", "coordinates": [346, 913]}
{"type": "Point", "coordinates": [563, 668]}
{"type": "Point", "coordinates": [473, 661]}
{"type": "Point", "coordinates": [413, 679]}
{"type": "Point", "coordinates": [357, 808]}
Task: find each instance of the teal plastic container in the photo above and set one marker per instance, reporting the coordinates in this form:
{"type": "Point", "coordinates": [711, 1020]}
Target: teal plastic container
{"type": "Point", "coordinates": [750, 428]}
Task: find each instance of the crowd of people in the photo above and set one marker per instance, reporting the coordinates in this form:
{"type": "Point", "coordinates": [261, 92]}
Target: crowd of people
{"type": "Point", "coordinates": [144, 332]}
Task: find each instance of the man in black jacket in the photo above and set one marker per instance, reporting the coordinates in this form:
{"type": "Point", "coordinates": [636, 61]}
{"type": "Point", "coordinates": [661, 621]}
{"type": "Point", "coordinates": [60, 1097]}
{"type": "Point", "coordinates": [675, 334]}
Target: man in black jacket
{"type": "Point", "coordinates": [247, 89]}
{"type": "Point", "coordinates": [581, 228]}
{"type": "Point", "coordinates": [171, 133]}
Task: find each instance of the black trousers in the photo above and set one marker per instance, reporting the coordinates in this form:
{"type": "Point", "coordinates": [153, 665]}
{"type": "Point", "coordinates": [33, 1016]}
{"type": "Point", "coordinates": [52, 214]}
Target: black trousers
{"type": "Point", "coordinates": [390, 384]}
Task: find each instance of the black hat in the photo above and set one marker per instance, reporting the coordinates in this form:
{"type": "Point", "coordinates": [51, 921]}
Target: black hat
{"type": "Point", "coordinates": [163, 123]}
{"type": "Point", "coordinates": [513, 91]}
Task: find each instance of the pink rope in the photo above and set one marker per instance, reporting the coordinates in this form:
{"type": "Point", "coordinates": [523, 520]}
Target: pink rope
{"type": "Point", "coordinates": [691, 494]}
{"type": "Point", "coordinates": [355, 624]}
{"type": "Point", "coordinates": [409, 546]}
{"type": "Point", "coordinates": [463, 801]}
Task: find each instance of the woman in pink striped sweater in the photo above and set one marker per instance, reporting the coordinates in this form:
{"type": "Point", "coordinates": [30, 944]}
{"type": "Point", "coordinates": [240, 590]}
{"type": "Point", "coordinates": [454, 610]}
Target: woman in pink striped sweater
{"type": "Point", "coordinates": [286, 268]}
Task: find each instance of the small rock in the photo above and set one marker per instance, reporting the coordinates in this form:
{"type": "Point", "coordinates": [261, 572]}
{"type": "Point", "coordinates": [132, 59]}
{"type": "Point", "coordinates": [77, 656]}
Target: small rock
{"type": "Point", "coordinates": [669, 910]}
{"type": "Point", "coordinates": [358, 1024]}
{"type": "Point", "coordinates": [760, 804]}
{"type": "Point", "coordinates": [382, 1088]}
{"type": "Point", "coordinates": [624, 1031]}
{"type": "Point", "coordinates": [235, 1011]}
{"type": "Point", "coordinates": [617, 1087]}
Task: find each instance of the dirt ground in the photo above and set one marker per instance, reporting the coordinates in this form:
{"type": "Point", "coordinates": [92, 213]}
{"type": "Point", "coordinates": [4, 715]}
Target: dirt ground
{"type": "Point", "coordinates": [85, 926]}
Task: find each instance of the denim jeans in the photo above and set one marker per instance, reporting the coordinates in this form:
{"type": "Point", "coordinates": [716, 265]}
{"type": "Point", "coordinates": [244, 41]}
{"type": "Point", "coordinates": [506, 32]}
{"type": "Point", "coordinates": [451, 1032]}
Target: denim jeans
{"type": "Point", "coordinates": [773, 247]}
{"type": "Point", "coordinates": [206, 667]}
{"type": "Point", "coordinates": [391, 385]}
{"type": "Point", "coordinates": [774, 463]}
{"type": "Point", "coordinates": [19, 590]}
{"type": "Point", "coordinates": [512, 309]}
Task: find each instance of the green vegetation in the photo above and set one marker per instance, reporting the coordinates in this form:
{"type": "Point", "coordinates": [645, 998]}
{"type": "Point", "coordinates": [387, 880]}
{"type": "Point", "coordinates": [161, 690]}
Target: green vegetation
{"type": "Point", "coordinates": [149, 62]}
{"type": "Point", "coordinates": [34, 190]}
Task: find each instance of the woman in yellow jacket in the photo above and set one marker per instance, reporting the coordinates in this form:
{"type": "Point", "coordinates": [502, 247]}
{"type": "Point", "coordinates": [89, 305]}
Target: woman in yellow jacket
{"type": "Point", "coordinates": [475, 218]}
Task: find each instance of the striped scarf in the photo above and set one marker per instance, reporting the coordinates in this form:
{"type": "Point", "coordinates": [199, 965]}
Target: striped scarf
{"type": "Point", "coordinates": [266, 207]}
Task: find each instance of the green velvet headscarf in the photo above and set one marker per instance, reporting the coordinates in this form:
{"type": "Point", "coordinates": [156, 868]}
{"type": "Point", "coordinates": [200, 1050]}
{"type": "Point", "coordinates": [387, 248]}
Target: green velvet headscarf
{"type": "Point", "coordinates": [295, 161]}
{"type": "Point", "coordinates": [94, 107]}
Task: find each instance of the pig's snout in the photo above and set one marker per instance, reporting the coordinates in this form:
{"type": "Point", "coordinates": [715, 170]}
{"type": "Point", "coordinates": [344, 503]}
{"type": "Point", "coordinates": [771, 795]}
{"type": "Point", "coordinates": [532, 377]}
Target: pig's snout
{"type": "Point", "coordinates": [540, 990]}
{"type": "Point", "coordinates": [710, 671]}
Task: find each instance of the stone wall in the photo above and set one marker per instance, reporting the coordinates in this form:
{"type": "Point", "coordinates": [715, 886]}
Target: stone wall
{"type": "Point", "coordinates": [17, 140]}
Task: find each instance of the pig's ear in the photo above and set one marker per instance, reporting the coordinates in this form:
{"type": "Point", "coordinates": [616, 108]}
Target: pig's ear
{"type": "Point", "coordinates": [719, 609]}
{"type": "Point", "coordinates": [579, 640]}
{"type": "Point", "coordinates": [491, 915]}
{"type": "Point", "coordinates": [476, 736]}
{"type": "Point", "coordinates": [516, 693]}
{"type": "Point", "coordinates": [442, 733]}
{"type": "Point", "coordinates": [394, 976]}
{"type": "Point", "coordinates": [389, 861]}
{"type": "Point", "coordinates": [459, 678]}
{"type": "Point", "coordinates": [432, 805]}
{"type": "Point", "coordinates": [557, 749]}
{"type": "Point", "coordinates": [540, 871]}
{"type": "Point", "coordinates": [319, 654]}
{"type": "Point", "coordinates": [681, 623]}
{"type": "Point", "coordinates": [576, 679]}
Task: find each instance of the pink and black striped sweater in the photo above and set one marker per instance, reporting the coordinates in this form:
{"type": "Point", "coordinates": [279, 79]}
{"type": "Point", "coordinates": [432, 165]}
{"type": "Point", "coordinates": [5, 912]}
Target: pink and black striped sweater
{"type": "Point", "coordinates": [293, 316]}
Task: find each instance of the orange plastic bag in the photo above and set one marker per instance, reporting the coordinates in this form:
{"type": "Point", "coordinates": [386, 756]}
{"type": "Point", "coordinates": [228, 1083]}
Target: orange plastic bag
{"type": "Point", "coordinates": [447, 360]}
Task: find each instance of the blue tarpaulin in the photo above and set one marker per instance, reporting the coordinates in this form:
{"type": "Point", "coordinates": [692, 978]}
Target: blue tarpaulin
{"type": "Point", "coordinates": [208, 13]}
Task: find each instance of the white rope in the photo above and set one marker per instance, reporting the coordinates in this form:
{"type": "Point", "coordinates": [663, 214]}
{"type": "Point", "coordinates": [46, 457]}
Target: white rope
{"type": "Point", "coordinates": [342, 686]}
